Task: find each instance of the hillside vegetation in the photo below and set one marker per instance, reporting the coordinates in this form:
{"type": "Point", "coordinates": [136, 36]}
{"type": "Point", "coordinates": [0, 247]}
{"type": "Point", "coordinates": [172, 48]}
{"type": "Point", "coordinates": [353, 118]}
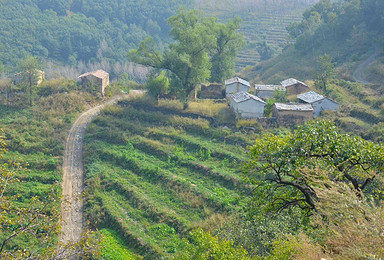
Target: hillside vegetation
{"type": "Point", "coordinates": [350, 32]}
{"type": "Point", "coordinates": [263, 24]}
{"type": "Point", "coordinates": [72, 31]}
{"type": "Point", "coordinates": [34, 137]}
{"type": "Point", "coordinates": [153, 174]}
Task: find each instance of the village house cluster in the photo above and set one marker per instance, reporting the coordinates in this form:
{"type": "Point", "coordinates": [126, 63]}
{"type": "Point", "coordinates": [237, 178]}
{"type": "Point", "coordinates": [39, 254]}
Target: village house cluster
{"type": "Point", "coordinates": [245, 105]}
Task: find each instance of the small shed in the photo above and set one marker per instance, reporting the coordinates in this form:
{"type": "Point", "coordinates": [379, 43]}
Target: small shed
{"type": "Point", "coordinates": [246, 105]}
{"type": "Point", "coordinates": [98, 77]}
{"type": "Point", "coordinates": [21, 77]}
{"type": "Point", "coordinates": [266, 91]}
{"type": "Point", "coordinates": [288, 114]}
{"type": "Point", "coordinates": [294, 86]}
{"type": "Point", "coordinates": [318, 102]}
{"type": "Point", "coordinates": [235, 85]}
{"type": "Point", "coordinates": [211, 91]}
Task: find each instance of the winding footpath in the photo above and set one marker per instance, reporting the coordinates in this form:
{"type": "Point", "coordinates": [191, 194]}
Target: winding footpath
{"type": "Point", "coordinates": [358, 74]}
{"type": "Point", "coordinates": [72, 205]}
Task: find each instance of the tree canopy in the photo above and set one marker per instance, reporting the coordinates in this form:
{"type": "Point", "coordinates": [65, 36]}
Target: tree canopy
{"type": "Point", "coordinates": [285, 166]}
{"type": "Point", "coordinates": [346, 21]}
{"type": "Point", "coordinates": [202, 49]}
{"type": "Point", "coordinates": [71, 31]}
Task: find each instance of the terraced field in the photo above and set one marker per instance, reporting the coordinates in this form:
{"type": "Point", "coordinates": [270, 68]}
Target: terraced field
{"type": "Point", "coordinates": [261, 20]}
{"type": "Point", "coordinates": [152, 176]}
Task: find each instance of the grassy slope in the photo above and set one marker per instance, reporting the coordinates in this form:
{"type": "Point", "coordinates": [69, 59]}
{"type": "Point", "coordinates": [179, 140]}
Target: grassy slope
{"type": "Point", "coordinates": [152, 176]}
{"type": "Point", "coordinates": [35, 137]}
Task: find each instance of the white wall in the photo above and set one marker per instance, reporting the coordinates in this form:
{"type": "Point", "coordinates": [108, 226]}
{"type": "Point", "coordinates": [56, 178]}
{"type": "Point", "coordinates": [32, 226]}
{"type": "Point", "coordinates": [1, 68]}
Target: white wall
{"type": "Point", "coordinates": [250, 109]}
{"type": "Point", "coordinates": [324, 104]}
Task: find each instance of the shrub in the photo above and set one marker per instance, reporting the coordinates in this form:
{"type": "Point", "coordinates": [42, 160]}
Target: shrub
{"type": "Point", "coordinates": [158, 86]}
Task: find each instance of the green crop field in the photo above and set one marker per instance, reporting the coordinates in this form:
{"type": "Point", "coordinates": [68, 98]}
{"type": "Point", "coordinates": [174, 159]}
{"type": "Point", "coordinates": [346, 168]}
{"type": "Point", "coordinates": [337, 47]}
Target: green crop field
{"type": "Point", "coordinates": [35, 137]}
{"type": "Point", "coordinates": [152, 176]}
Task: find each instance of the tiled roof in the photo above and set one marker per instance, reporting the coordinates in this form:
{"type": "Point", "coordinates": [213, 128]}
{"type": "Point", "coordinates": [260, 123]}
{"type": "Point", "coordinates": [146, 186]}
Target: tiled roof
{"type": "Point", "coordinates": [290, 82]}
{"type": "Point", "coordinates": [98, 74]}
{"type": "Point", "coordinates": [269, 87]}
{"type": "Point", "coordinates": [237, 79]}
{"type": "Point", "coordinates": [287, 107]}
{"type": "Point", "coordinates": [244, 96]}
{"type": "Point", "coordinates": [310, 97]}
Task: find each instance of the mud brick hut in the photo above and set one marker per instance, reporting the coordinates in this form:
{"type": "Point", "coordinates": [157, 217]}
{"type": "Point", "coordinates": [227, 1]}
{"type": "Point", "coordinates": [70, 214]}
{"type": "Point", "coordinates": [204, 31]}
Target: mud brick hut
{"type": "Point", "coordinates": [211, 91]}
{"type": "Point", "coordinates": [99, 77]}
{"type": "Point", "coordinates": [287, 114]}
{"type": "Point", "coordinates": [294, 86]}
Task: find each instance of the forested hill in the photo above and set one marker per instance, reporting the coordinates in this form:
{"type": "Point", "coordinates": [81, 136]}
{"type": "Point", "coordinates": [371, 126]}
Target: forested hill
{"type": "Point", "coordinates": [349, 31]}
{"type": "Point", "coordinates": [73, 30]}
{"type": "Point", "coordinates": [70, 31]}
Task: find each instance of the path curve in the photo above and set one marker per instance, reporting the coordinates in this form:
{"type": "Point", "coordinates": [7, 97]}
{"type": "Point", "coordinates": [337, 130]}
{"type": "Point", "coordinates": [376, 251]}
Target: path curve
{"type": "Point", "coordinates": [358, 74]}
{"type": "Point", "coordinates": [72, 221]}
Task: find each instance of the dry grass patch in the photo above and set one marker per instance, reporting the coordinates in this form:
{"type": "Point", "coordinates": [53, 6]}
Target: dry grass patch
{"type": "Point", "coordinates": [206, 107]}
{"type": "Point", "coordinates": [171, 104]}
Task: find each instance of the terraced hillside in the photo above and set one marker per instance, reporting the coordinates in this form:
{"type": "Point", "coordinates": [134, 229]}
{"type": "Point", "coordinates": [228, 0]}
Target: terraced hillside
{"type": "Point", "coordinates": [152, 174]}
{"type": "Point", "coordinates": [35, 137]}
{"type": "Point", "coordinates": [261, 20]}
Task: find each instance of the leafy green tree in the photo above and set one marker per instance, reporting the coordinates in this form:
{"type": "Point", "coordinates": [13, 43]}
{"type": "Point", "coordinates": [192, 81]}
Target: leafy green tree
{"type": "Point", "coordinates": [159, 85]}
{"type": "Point", "coordinates": [187, 59]}
{"type": "Point", "coordinates": [283, 167]}
{"type": "Point", "coordinates": [29, 67]}
{"type": "Point", "coordinates": [278, 96]}
{"type": "Point", "coordinates": [265, 50]}
{"type": "Point", "coordinates": [325, 71]}
{"type": "Point", "coordinates": [223, 56]}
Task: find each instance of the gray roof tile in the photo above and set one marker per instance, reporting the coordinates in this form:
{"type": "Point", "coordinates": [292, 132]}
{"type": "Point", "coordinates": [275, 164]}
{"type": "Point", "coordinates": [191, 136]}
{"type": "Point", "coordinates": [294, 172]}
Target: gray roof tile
{"type": "Point", "coordinates": [244, 96]}
{"type": "Point", "coordinates": [298, 107]}
{"type": "Point", "coordinates": [237, 79]}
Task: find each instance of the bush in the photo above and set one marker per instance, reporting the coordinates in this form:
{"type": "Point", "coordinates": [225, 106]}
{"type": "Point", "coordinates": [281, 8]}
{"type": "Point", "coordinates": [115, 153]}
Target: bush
{"type": "Point", "coordinates": [158, 86]}
{"type": "Point", "coordinates": [54, 86]}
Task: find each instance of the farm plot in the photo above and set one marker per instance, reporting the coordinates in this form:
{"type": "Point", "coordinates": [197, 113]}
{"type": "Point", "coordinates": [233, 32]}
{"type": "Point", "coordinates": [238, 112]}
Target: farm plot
{"type": "Point", "coordinates": [152, 176]}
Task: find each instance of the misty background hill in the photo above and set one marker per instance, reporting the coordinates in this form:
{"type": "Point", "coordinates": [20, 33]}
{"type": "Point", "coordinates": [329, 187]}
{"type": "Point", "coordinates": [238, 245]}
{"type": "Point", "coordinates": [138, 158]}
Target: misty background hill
{"type": "Point", "coordinates": [81, 33]}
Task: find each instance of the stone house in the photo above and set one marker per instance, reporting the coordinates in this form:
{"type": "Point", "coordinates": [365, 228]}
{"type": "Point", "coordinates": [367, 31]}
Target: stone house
{"type": "Point", "coordinates": [287, 114]}
{"type": "Point", "coordinates": [235, 85]}
{"type": "Point", "coordinates": [294, 86]}
{"type": "Point", "coordinates": [99, 77]}
{"type": "Point", "coordinates": [318, 102]}
{"type": "Point", "coordinates": [22, 77]}
{"type": "Point", "coordinates": [266, 91]}
{"type": "Point", "coordinates": [211, 91]}
{"type": "Point", "coordinates": [246, 105]}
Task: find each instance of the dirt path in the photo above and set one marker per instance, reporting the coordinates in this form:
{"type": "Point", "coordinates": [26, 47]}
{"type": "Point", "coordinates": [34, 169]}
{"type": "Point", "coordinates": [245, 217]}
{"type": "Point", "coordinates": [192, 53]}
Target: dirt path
{"type": "Point", "coordinates": [358, 74]}
{"type": "Point", "coordinates": [73, 175]}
